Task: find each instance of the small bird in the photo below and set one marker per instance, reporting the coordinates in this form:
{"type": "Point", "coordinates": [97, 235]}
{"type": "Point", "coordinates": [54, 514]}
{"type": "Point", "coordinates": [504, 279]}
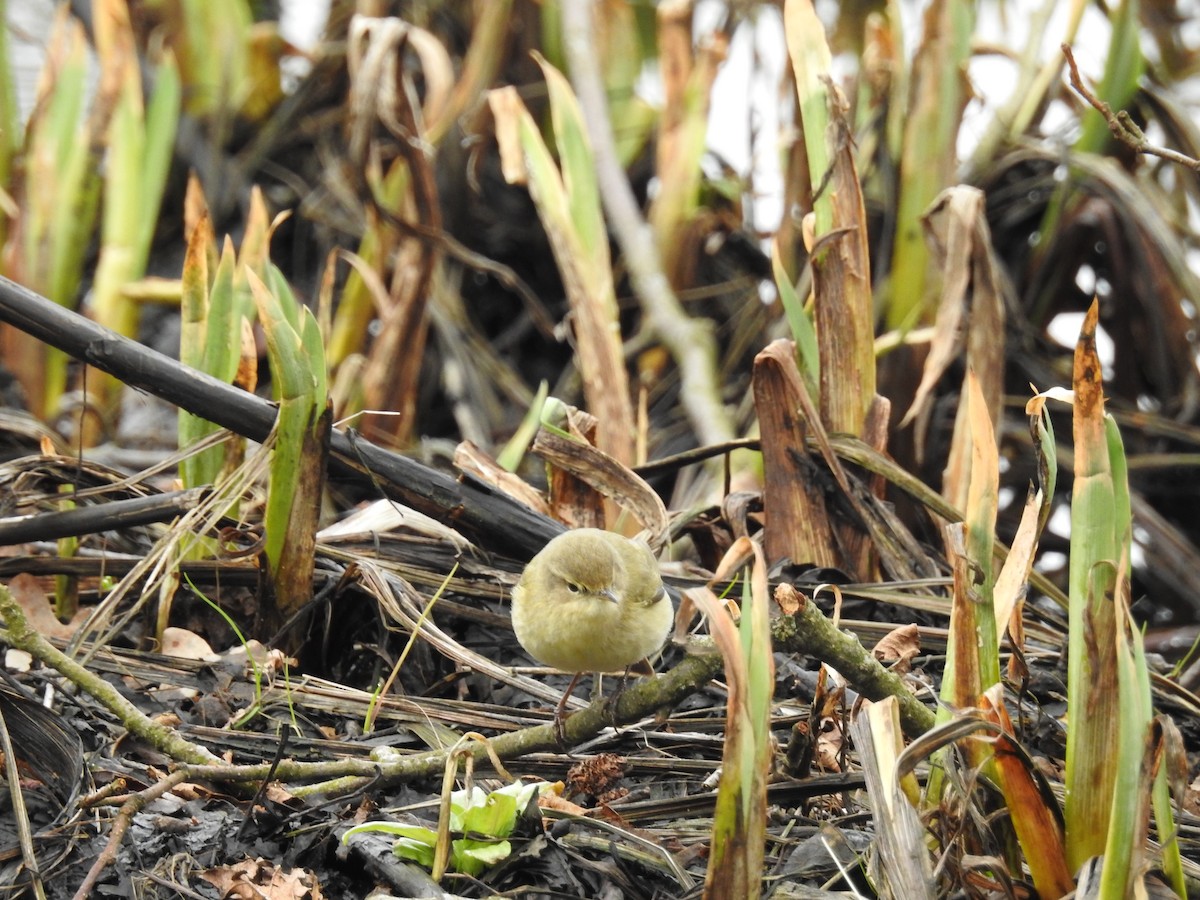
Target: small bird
{"type": "Point", "coordinates": [591, 601]}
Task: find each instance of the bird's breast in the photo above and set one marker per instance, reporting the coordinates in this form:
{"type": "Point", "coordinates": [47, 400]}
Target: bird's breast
{"type": "Point", "coordinates": [590, 633]}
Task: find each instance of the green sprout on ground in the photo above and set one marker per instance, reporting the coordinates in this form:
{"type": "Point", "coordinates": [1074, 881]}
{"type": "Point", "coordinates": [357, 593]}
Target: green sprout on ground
{"type": "Point", "coordinates": [484, 821]}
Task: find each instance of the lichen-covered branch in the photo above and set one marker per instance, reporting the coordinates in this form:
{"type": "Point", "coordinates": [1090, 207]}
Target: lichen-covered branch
{"type": "Point", "coordinates": [805, 629]}
{"type": "Point", "coordinates": [23, 637]}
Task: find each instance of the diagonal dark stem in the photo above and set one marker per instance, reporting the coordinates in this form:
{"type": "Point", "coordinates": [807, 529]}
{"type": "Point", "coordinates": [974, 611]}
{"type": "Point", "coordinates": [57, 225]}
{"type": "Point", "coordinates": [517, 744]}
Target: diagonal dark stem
{"type": "Point", "coordinates": [489, 518]}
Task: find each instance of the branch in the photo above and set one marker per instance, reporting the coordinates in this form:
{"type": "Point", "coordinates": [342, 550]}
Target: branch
{"type": "Point", "coordinates": [1120, 123]}
{"type": "Point", "coordinates": [23, 637]}
{"type": "Point", "coordinates": [638, 702]}
{"type": "Point", "coordinates": [348, 775]}
{"type": "Point", "coordinates": [493, 520]}
{"type": "Point", "coordinates": [805, 629]}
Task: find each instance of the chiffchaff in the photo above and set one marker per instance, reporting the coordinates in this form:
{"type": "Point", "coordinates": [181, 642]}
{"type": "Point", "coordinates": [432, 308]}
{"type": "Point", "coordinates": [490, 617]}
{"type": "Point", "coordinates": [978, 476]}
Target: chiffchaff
{"type": "Point", "coordinates": [591, 601]}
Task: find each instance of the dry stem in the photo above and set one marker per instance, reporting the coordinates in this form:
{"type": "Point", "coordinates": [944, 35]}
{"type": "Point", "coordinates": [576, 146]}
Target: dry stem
{"type": "Point", "coordinates": [690, 340]}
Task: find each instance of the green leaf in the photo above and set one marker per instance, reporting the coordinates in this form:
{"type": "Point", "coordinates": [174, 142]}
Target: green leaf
{"type": "Point", "coordinates": [313, 345]}
{"type": "Point", "coordinates": [161, 122]}
{"type": "Point", "coordinates": [510, 456]}
{"type": "Point", "coordinates": [417, 832]}
{"type": "Point", "coordinates": [495, 817]}
{"type": "Point", "coordinates": [471, 856]}
{"type": "Point", "coordinates": [800, 324]}
{"type": "Point", "coordinates": [1123, 66]}
{"type": "Point", "coordinates": [575, 158]}
{"type": "Point", "coordinates": [415, 849]}
{"type": "Point", "coordinates": [462, 802]}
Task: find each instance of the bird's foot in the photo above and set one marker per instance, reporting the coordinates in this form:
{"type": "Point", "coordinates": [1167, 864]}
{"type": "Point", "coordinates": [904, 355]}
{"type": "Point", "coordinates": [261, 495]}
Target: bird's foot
{"type": "Point", "coordinates": [613, 701]}
{"type": "Point", "coordinates": [560, 732]}
{"type": "Point", "coordinates": [560, 715]}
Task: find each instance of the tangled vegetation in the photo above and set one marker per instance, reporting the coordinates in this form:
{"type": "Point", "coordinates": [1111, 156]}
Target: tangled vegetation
{"type": "Point", "coordinates": [306, 366]}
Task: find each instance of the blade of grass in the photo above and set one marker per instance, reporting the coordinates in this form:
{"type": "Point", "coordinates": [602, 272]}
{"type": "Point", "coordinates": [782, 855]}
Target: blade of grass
{"type": "Point", "coordinates": [302, 438]}
{"type": "Point", "coordinates": [937, 97]}
{"type": "Point", "coordinates": [739, 822]}
{"type": "Point", "coordinates": [1092, 689]}
{"type": "Point", "coordinates": [1032, 806]}
{"type": "Point", "coordinates": [568, 204]}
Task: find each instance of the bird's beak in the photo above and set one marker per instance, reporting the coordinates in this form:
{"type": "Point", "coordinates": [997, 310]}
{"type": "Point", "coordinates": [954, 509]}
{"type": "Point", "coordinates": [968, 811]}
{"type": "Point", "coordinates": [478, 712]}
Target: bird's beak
{"type": "Point", "coordinates": [609, 594]}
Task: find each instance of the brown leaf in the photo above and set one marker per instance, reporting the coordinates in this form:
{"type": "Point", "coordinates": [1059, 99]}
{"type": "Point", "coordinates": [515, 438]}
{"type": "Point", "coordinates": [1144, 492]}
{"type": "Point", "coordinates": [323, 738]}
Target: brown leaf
{"type": "Point", "coordinates": [901, 644]}
{"type": "Point", "coordinates": [608, 476]}
{"type": "Point", "coordinates": [184, 644]}
{"type": "Point", "coordinates": [29, 594]}
{"type": "Point", "coordinates": [552, 800]}
{"type": "Point", "coordinates": [260, 880]}
{"type": "Point", "coordinates": [970, 319]}
{"type": "Point", "coordinates": [478, 463]}
{"type": "Point", "coordinates": [597, 776]}
{"type": "Point", "coordinates": [797, 523]}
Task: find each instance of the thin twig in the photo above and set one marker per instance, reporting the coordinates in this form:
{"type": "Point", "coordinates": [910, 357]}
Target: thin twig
{"type": "Point", "coordinates": [121, 824]}
{"type": "Point", "coordinates": [1120, 123]}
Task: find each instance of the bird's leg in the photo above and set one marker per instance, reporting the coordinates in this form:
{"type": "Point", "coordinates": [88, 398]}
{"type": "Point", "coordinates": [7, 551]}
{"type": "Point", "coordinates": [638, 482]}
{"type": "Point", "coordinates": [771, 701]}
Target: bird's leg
{"type": "Point", "coordinates": [616, 698]}
{"type": "Point", "coordinates": [560, 712]}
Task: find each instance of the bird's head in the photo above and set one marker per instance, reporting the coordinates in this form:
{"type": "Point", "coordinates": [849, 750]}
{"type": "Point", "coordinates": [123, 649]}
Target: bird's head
{"type": "Point", "coordinates": [596, 572]}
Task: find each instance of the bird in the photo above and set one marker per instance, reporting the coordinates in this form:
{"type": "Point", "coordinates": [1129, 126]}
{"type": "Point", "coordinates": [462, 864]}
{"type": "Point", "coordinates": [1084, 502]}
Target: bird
{"type": "Point", "coordinates": [591, 601]}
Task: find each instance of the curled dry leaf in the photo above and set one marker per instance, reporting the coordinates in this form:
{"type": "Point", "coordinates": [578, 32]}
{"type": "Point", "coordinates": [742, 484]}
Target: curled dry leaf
{"type": "Point", "coordinates": [552, 800]}
{"type": "Point", "coordinates": [476, 462]}
{"type": "Point", "coordinates": [826, 720]}
{"type": "Point", "coordinates": [608, 476]}
{"type": "Point", "coordinates": [381, 516]}
{"type": "Point", "coordinates": [830, 739]}
{"type": "Point", "coordinates": [899, 646]}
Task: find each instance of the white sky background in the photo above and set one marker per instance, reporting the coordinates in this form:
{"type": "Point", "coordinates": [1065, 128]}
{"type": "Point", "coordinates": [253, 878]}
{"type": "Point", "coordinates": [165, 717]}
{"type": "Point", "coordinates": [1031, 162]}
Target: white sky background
{"type": "Point", "coordinates": [301, 21]}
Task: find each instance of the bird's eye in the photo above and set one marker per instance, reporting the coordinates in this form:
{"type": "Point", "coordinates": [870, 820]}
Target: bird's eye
{"type": "Point", "coordinates": [573, 587]}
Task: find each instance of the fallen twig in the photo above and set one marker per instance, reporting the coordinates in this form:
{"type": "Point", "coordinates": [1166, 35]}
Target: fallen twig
{"type": "Point", "coordinates": [121, 824]}
{"type": "Point", "coordinates": [491, 519]}
{"type": "Point", "coordinates": [23, 637]}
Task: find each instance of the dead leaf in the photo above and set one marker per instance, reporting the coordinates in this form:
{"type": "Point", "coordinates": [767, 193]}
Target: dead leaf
{"type": "Point", "coordinates": [608, 476]}
{"type": "Point", "coordinates": [552, 800]}
{"type": "Point", "coordinates": [899, 646]}
{"type": "Point", "coordinates": [830, 739]}
{"type": "Point", "coordinates": [260, 880]}
{"type": "Point", "coordinates": [184, 644]}
{"type": "Point", "coordinates": [475, 461]}
{"type": "Point", "coordinates": [34, 602]}
{"type": "Point", "coordinates": [596, 776]}
{"type": "Point", "coordinates": [825, 720]}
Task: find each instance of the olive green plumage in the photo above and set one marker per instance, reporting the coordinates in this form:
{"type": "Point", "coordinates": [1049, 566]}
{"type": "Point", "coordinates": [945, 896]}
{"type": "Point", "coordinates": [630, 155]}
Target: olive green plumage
{"type": "Point", "coordinates": [591, 601]}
